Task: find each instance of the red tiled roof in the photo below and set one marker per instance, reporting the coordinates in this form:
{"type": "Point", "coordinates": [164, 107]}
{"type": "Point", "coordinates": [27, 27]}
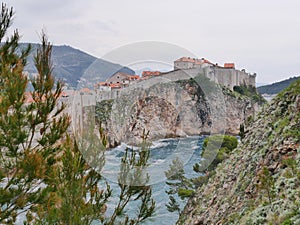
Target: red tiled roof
{"type": "Point", "coordinates": [150, 73]}
{"type": "Point", "coordinates": [115, 85]}
{"type": "Point", "coordinates": [194, 60]}
{"type": "Point", "coordinates": [185, 59]}
{"type": "Point", "coordinates": [101, 84]}
{"type": "Point", "coordinates": [206, 61]}
{"type": "Point", "coordinates": [134, 77]}
{"type": "Point", "coordinates": [229, 65]}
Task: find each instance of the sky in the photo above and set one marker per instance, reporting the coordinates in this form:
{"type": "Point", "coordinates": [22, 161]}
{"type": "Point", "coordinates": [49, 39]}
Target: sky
{"type": "Point", "coordinates": [261, 36]}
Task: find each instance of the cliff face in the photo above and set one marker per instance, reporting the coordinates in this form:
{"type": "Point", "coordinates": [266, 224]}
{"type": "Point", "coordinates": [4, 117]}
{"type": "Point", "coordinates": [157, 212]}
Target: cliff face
{"type": "Point", "coordinates": [171, 109]}
{"type": "Point", "coordinates": [260, 182]}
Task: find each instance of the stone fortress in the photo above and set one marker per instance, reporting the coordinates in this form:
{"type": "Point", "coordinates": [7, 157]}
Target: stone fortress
{"type": "Point", "coordinates": [184, 67]}
{"type": "Point", "coordinates": [225, 75]}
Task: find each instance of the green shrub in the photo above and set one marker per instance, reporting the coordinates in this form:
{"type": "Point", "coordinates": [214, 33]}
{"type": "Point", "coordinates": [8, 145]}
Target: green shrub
{"type": "Point", "coordinates": [202, 180]}
{"type": "Point", "coordinates": [287, 222]}
{"type": "Point", "coordinates": [185, 193]}
{"type": "Point", "coordinates": [239, 89]}
{"type": "Point", "coordinates": [216, 148]}
{"type": "Point", "coordinates": [220, 141]}
{"type": "Point", "coordinates": [250, 91]}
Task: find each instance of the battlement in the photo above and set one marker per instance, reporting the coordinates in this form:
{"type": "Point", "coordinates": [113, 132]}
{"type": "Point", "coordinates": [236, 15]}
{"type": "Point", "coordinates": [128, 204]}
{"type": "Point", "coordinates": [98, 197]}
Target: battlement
{"type": "Point", "coordinates": [226, 75]}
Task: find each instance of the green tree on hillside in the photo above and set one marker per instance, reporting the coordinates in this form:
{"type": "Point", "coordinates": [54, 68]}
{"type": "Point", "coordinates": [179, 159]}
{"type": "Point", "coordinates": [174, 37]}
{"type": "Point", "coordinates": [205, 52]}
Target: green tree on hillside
{"type": "Point", "coordinates": [179, 185]}
{"type": "Point", "coordinates": [133, 186]}
{"type": "Point", "coordinates": [31, 135]}
{"type": "Point", "coordinates": [42, 171]}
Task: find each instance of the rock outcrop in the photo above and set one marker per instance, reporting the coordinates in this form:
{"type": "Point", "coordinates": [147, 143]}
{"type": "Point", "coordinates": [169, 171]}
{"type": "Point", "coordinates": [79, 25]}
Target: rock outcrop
{"type": "Point", "coordinates": [176, 108]}
{"type": "Point", "coordinates": [260, 182]}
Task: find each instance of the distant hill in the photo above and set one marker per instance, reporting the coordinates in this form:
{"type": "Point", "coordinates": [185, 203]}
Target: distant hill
{"type": "Point", "coordinates": [260, 84]}
{"type": "Point", "coordinates": [75, 67]}
{"type": "Point", "coordinates": [275, 88]}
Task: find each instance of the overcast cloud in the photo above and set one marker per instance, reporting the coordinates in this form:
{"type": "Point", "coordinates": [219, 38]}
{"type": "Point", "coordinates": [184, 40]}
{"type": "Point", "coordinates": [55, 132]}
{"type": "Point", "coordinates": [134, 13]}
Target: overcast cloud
{"type": "Point", "coordinates": [261, 36]}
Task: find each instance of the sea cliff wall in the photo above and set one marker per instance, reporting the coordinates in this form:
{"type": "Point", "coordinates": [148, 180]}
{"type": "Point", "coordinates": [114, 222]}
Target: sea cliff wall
{"type": "Point", "coordinates": [174, 109]}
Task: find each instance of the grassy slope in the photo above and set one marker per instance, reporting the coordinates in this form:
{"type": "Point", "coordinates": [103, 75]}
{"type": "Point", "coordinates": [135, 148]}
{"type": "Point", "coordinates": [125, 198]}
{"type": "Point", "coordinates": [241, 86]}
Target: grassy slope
{"type": "Point", "coordinates": [237, 193]}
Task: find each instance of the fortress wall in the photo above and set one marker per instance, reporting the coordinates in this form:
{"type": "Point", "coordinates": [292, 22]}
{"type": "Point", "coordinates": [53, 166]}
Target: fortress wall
{"type": "Point", "coordinates": [231, 77]}
{"type": "Point", "coordinates": [210, 73]}
{"type": "Point", "coordinates": [226, 77]}
{"type": "Point", "coordinates": [182, 74]}
{"type": "Point", "coordinates": [252, 80]}
{"type": "Point", "coordinates": [243, 78]}
{"type": "Point", "coordinates": [106, 95]}
{"type": "Point", "coordinates": [246, 78]}
{"type": "Point", "coordinates": [183, 65]}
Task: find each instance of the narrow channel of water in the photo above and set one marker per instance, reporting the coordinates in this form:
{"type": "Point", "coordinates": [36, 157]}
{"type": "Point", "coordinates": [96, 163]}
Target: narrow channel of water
{"type": "Point", "coordinates": [188, 150]}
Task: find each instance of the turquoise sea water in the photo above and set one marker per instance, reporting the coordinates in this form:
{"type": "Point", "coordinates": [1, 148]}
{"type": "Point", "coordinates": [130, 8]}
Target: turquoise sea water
{"type": "Point", "coordinates": [162, 153]}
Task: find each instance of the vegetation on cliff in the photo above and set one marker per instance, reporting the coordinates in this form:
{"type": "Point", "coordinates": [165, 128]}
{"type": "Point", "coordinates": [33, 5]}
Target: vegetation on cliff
{"type": "Point", "coordinates": [180, 186]}
{"type": "Point", "coordinates": [260, 181]}
{"type": "Point", "coordinates": [216, 147]}
{"type": "Point", "coordinates": [250, 92]}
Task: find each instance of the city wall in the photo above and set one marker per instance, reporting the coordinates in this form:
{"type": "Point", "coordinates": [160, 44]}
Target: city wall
{"type": "Point", "coordinates": [224, 76]}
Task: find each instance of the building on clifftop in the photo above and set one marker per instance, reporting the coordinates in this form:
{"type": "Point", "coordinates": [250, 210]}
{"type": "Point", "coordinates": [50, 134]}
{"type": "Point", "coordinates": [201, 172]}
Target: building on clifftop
{"type": "Point", "coordinates": [226, 75]}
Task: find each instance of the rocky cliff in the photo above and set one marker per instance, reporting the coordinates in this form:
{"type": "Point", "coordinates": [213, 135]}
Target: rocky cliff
{"type": "Point", "coordinates": [260, 182]}
{"type": "Point", "coordinates": [172, 109]}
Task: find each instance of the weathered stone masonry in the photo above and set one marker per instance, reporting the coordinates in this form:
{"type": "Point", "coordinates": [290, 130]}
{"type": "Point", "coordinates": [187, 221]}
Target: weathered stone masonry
{"type": "Point", "coordinates": [227, 75]}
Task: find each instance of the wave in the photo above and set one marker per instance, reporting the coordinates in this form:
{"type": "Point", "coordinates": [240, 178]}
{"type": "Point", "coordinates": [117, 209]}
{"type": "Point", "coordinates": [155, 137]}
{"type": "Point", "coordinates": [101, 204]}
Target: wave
{"type": "Point", "coordinates": [159, 144]}
{"type": "Point", "coordinates": [159, 161]}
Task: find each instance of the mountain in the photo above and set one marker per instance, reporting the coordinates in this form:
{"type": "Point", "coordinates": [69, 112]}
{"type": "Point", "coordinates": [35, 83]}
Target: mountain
{"type": "Point", "coordinates": [275, 88]}
{"type": "Point", "coordinates": [260, 181]}
{"type": "Point", "coordinates": [76, 67]}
